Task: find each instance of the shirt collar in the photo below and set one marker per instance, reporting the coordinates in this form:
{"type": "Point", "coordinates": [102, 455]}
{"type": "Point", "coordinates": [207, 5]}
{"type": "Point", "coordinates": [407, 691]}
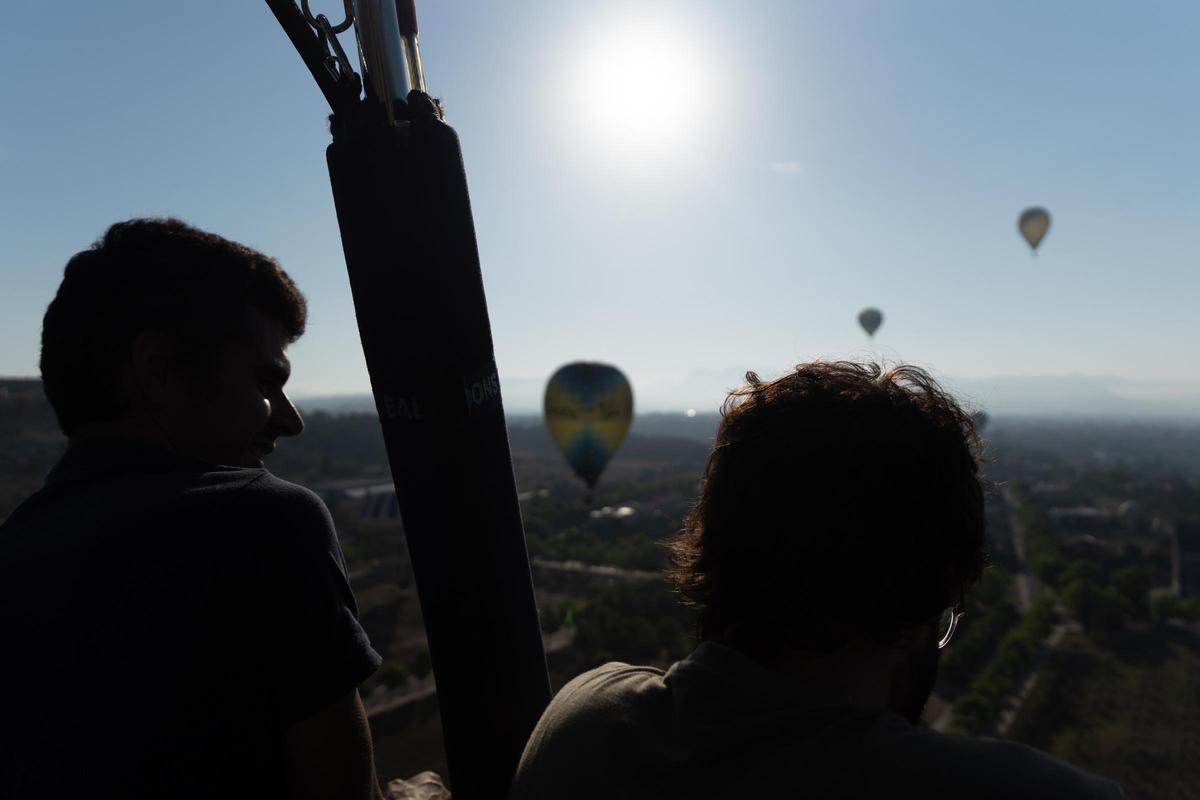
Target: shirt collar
{"type": "Point", "coordinates": [117, 454]}
{"type": "Point", "coordinates": [724, 672]}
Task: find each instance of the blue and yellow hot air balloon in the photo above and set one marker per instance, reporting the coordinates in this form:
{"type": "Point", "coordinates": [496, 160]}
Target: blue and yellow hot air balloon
{"type": "Point", "coordinates": [588, 407]}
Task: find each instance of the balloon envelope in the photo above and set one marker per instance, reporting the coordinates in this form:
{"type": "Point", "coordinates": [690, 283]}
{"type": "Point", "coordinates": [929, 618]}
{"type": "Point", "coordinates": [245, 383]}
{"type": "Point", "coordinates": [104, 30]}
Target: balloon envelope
{"type": "Point", "coordinates": [588, 409]}
{"type": "Point", "coordinates": [870, 319]}
{"type": "Point", "coordinates": [1033, 225]}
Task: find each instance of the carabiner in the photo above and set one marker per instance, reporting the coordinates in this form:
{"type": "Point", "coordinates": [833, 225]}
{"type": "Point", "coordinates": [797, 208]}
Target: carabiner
{"type": "Point", "coordinates": [344, 25]}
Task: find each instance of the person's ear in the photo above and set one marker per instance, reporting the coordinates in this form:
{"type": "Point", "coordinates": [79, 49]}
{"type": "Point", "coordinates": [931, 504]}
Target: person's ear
{"type": "Point", "coordinates": [150, 355]}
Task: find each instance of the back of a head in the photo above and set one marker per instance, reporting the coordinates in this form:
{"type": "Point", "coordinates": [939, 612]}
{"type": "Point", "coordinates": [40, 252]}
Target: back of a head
{"type": "Point", "coordinates": [152, 274]}
{"type": "Point", "coordinates": [840, 501]}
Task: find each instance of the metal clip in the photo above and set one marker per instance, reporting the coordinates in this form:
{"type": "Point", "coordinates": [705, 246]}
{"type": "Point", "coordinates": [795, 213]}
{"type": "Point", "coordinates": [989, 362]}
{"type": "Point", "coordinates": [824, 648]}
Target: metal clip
{"type": "Point", "coordinates": [344, 25]}
{"type": "Point", "coordinates": [320, 51]}
{"type": "Point", "coordinates": [336, 62]}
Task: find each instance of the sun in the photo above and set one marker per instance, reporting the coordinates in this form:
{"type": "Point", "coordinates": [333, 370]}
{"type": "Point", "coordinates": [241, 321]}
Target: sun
{"type": "Point", "coordinates": [643, 89]}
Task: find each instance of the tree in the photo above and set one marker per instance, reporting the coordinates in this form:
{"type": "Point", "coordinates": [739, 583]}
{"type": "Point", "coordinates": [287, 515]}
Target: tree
{"type": "Point", "coordinates": [1108, 610]}
{"type": "Point", "coordinates": [977, 709]}
{"type": "Point", "coordinates": [1080, 568]}
{"type": "Point", "coordinates": [973, 712]}
{"type": "Point", "coordinates": [1099, 609]}
{"type": "Point", "coordinates": [1076, 596]}
{"type": "Point", "coordinates": [1047, 568]}
{"type": "Point", "coordinates": [1134, 582]}
{"type": "Point", "coordinates": [993, 587]}
{"type": "Point", "coordinates": [1169, 606]}
{"type": "Point", "coordinates": [979, 636]}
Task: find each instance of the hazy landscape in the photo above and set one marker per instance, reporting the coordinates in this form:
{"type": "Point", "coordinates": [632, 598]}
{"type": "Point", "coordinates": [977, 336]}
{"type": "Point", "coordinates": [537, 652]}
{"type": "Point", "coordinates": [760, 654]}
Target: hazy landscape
{"type": "Point", "coordinates": [1082, 639]}
{"type": "Point", "coordinates": [1067, 396]}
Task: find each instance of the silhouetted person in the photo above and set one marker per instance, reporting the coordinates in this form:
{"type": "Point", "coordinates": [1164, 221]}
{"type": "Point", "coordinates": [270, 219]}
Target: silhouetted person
{"type": "Point", "coordinates": [175, 620]}
{"type": "Point", "coordinates": [839, 524]}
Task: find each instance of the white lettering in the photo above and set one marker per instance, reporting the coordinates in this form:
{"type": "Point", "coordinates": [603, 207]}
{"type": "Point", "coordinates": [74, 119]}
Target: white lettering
{"type": "Point", "coordinates": [482, 391]}
{"type": "Point", "coordinates": [402, 408]}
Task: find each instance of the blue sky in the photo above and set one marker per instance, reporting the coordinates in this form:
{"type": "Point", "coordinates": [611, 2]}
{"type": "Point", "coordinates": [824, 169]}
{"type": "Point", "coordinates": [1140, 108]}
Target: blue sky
{"type": "Point", "coordinates": [675, 188]}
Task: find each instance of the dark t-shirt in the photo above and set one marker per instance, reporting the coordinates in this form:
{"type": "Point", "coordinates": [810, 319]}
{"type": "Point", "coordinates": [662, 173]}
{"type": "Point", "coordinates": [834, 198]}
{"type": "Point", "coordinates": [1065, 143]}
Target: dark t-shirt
{"type": "Point", "coordinates": [162, 620]}
{"type": "Point", "coordinates": [718, 725]}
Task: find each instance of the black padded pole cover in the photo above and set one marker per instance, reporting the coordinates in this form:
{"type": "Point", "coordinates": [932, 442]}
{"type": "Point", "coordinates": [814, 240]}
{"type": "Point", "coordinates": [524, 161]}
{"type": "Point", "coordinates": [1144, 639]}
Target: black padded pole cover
{"type": "Point", "coordinates": [409, 240]}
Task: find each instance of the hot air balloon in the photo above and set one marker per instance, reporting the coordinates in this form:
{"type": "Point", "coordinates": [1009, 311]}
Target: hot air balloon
{"type": "Point", "coordinates": [588, 407]}
{"type": "Point", "coordinates": [870, 319]}
{"type": "Point", "coordinates": [1033, 225]}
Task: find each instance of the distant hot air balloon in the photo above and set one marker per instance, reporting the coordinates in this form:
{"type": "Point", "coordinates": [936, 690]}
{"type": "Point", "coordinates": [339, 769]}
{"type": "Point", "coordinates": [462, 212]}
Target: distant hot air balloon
{"type": "Point", "coordinates": [870, 319]}
{"type": "Point", "coordinates": [1033, 225]}
{"type": "Point", "coordinates": [589, 407]}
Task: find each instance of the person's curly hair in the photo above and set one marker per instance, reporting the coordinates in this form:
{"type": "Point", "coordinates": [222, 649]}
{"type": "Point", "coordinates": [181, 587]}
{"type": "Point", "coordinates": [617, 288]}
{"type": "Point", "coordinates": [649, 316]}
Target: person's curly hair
{"type": "Point", "coordinates": [152, 274]}
{"type": "Point", "coordinates": [840, 500]}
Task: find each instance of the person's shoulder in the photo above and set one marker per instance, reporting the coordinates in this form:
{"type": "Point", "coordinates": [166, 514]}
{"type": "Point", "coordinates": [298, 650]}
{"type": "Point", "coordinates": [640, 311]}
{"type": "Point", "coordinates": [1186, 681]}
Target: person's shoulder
{"type": "Point", "coordinates": [610, 684]}
{"type": "Point", "coordinates": [573, 740]}
{"type": "Point", "coordinates": [600, 698]}
{"type": "Point", "coordinates": [267, 488]}
{"type": "Point", "coordinates": [1033, 773]}
{"type": "Point", "coordinates": [999, 768]}
{"type": "Point", "coordinates": [259, 491]}
{"type": "Point", "coordinates": [264, 514]}
{"type": "Point", "coordinates": [282, 512]}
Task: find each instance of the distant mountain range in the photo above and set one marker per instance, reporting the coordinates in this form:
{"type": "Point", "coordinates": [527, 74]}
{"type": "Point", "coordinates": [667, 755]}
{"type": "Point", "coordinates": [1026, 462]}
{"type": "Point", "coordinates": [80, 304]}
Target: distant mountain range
{"type": "Point", "coordinates": [703, 391]}
{"type": "Point", "coordinates": [1082, 396]}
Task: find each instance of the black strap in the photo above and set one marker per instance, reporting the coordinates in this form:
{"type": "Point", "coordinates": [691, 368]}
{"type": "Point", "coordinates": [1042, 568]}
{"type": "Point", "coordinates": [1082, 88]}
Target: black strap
{"type": "Point", "coordinates": [341, 87]}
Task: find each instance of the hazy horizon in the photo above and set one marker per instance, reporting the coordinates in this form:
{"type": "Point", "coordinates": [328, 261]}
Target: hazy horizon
{"type": "Point", "coordinates": [703, 390]}
{"type": "Point", "coordinates": [1026, 395]}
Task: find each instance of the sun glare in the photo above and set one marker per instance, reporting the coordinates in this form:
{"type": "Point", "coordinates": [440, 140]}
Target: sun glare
{"type": "Point", "coordinates": [641, 90]}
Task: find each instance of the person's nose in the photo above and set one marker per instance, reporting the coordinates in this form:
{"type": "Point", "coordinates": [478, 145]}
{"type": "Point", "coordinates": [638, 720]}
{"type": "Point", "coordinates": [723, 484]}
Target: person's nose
{"type": "Point", "coordinates": [288, 421]}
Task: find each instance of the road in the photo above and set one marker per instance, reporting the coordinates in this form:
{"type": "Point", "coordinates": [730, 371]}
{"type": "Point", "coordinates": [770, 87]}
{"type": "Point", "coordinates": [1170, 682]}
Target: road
{"type": "Point", "coordinates": [1013, 706]}
{"type": "Point", "coordinates": [597, 570]}
{"type": "Point", "coordinates": [1028, 586]}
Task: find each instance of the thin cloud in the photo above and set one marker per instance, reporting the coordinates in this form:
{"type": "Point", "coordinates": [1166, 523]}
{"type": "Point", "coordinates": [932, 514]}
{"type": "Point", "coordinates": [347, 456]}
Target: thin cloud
{"type": "Point", "coordinates": [786, 167]}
